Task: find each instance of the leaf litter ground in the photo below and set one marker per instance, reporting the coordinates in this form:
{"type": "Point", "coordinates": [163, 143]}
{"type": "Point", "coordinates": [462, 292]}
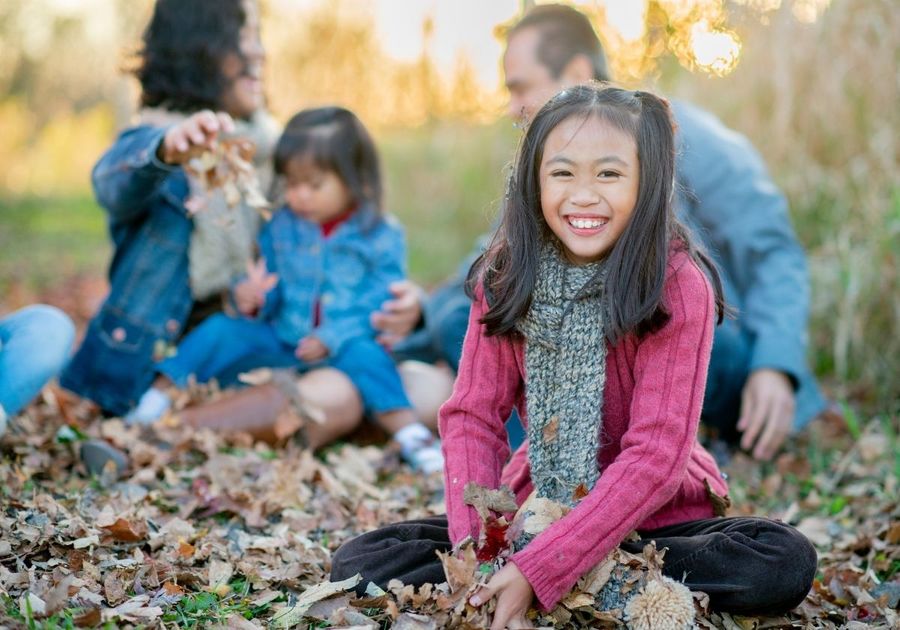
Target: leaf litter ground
{"type": "Point", "coordinates": [208, 531]}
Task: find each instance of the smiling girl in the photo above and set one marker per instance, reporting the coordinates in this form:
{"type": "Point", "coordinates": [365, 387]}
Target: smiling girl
{"type": "Point", "coordinates": [593, 315]}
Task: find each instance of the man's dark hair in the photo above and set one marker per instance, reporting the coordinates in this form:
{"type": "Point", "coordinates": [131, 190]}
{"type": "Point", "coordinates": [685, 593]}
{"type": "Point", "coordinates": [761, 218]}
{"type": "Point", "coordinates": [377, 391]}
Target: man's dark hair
{"type": "Point", "coordinates": [184, 48]}
{"type": "Point", "coordinates": [637, 261]}
{"type": "Point", "coordinates": [564, 33]}
{"type": "Point", "coordinates": [334, 139]}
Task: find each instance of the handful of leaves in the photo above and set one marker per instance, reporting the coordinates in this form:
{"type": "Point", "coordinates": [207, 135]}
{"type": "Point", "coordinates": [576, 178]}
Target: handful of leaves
{"type": "Point", "coordinates": [227, 166]}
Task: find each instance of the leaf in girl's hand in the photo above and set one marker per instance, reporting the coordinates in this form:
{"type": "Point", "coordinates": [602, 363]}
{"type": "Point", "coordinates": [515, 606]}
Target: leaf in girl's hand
{"type": "Point", "coordinates": [460, 568]}
{"type": "Point", "coordinates": [580, 492]}
{"type": "Point", "coordinates": [485, 500]}
{"type": "Point", "coordinates": [494, 539]}
{"type": "Point", "coordinates": [539, 514]}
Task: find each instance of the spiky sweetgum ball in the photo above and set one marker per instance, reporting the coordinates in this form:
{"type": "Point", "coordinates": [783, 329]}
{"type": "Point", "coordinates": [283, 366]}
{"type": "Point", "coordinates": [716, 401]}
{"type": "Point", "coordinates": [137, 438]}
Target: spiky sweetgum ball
{"type": "Point", "coordinates": [663, 604]}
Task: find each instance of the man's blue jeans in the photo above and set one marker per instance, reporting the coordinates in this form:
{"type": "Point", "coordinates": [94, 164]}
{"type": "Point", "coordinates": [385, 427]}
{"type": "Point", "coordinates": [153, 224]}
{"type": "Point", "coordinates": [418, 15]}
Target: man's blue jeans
{"type": "Point", "coordinates": [34, 346]}
{"type": "Point", "coordinates": [214, 348]}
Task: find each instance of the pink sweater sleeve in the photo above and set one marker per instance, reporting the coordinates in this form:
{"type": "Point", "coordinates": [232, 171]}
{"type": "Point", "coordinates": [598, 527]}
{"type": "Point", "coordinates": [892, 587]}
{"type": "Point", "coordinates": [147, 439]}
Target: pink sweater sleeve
{"type": "Point", "coordinates": [670, 377]}
{"type": "Point", "coordinates": [472, 422]}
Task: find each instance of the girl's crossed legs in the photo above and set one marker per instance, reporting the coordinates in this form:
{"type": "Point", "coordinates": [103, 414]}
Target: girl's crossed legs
{"type": "Point", "coordinates": [746, 565]}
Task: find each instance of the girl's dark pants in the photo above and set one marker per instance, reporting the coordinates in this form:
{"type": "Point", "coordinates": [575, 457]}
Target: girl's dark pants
{"type": "Point", "coordinates": [746, 565]}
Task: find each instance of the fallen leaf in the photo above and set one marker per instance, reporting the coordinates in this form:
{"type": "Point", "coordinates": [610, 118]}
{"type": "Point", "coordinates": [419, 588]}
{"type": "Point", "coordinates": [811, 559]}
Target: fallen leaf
{"type": "Point", "coordinates": [127, 531]}
{"type": "Point", "coordinates": [289, 617]}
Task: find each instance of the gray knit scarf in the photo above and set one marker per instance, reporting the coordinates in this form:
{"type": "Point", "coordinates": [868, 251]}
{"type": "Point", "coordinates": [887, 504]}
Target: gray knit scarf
{"type": "Point", "coordinates": [565, 365]}
{"type": "Point", "coordinates": [223, 238]}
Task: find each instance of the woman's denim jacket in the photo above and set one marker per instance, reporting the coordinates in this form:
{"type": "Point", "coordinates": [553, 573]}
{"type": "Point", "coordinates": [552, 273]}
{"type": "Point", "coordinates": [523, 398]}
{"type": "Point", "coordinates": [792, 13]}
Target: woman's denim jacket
{"type": "Point", "coordinates": [150, 298]}
{"type": "Point", "coordinates": [348, 273]}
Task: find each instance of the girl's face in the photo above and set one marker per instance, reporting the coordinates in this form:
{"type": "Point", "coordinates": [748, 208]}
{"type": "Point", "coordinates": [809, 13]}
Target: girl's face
{"type": "Point", "coordinates": [244, 94]}
{"type": "Point", "coordinates": [589, 185]}
{"type": "Point", "coordinates": [313, 193]}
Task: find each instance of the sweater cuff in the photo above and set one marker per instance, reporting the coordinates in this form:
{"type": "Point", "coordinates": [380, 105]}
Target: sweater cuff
{"type": "Point", "coordinates": [549, 586]}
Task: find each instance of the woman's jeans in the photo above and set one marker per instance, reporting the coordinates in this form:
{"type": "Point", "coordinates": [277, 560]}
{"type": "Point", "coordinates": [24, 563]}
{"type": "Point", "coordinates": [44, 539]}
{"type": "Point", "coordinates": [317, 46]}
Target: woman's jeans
{"type": "Point", "coordinates": [214, 348]}
{"type": "Point", "coordinates": [745, 564]}
{"type": "Point", "coordinates": [34, 346]}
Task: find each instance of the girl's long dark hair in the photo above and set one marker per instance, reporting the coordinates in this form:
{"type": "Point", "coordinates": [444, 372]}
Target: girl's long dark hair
{"type": "Point", "coordinates": [637, 262]}
{"type": "Point", "coordinates": [335, 140]}
{"type": "Point", "coordinates": [184, 48]}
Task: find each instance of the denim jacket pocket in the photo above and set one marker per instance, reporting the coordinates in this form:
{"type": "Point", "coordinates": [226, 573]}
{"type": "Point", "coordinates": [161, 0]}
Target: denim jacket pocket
{"type": "Point", "coordinates": [122, 335]}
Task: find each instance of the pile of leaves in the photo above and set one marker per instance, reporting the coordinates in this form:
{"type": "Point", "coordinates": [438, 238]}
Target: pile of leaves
{"type": "Point", "coordinates": [207, 530]}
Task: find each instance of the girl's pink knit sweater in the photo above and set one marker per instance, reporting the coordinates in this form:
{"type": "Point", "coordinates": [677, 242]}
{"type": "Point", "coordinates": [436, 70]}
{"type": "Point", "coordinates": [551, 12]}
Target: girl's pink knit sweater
{"type": "Point", "coordinates": [653, 470]}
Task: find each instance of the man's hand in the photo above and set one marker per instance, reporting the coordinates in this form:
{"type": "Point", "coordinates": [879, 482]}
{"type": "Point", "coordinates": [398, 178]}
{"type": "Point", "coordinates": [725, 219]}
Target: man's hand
{"type": "Point", "coordinates": [400, 315]}
{"type": "Point", "coordinates": [767, 412]}
{"type": "Point", "coordinates": [250, 294]}
{"type": "Point", "coordinates": [310, 349]}
{"type": "Point", "coordinates": [198, 130]}
{"type": "Point", "coordinates": [514, 595]}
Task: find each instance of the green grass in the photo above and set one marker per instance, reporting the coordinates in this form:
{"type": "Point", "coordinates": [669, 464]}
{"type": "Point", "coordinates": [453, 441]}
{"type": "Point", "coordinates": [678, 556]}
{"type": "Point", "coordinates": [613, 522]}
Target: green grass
{"type": "Point", "coordinates": [444, 182]}
{"type": "Point", "coordinates": [43, 241]}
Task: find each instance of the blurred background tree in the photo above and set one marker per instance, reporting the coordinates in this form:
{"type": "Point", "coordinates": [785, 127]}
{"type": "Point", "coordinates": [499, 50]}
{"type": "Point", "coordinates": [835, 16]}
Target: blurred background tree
{"type": "Point", "coordinates": [813, 83]}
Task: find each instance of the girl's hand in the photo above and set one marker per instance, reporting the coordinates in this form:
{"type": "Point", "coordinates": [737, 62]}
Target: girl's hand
{"type": "Point", "coordinates": [514, 595]}
{"type": "Point", "coordinates": [198, 130]}
{"type": "Point", "coordinates": [250, 294]}
{"type": "Point", "coordinates": [767, 412]}
{"type": "Point", "coordinates": [310, 349]}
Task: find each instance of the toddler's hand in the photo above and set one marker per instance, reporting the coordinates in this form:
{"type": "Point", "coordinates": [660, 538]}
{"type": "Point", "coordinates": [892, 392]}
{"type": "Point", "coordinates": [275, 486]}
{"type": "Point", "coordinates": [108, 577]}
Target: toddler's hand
{"type": "Point", "coordinates": [250, 294]}
{"type": "Point", "coordinates": [198, 130]}
{"type": "Point", "coordinates": [310, 349]}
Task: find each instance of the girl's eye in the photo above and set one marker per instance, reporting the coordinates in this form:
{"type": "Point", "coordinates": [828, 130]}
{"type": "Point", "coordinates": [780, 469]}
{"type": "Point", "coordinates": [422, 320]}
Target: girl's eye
{"type": "Point", "coordinates": [561, 173]}
{"type": "Point", "coordinates": [608, 174]}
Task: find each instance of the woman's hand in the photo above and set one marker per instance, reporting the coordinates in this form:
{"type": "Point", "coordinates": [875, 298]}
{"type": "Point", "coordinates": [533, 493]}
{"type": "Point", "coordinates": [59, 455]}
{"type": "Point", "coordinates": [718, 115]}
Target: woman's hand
{"type": "Point", "coordinates": [310, 349]}
{"type": "Point", "coordinates": [250, 294]}
{"type": "Point", "coordinates": [198, 130]}
{"type": "Point", "coordinates": [514, 595]}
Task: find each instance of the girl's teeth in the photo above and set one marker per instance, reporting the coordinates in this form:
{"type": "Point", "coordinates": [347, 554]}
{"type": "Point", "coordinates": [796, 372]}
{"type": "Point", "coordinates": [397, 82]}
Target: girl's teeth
{"type": "Point", "coordinates": [585, 224]}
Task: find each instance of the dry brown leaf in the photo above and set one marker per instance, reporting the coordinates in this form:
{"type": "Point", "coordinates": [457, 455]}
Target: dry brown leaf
{"type": "Point", "coordinates": [460, 568]}
{"type": "Point", "coordinates": [127, 531]}
{"type": "Point", "coordinates": [485, 500]}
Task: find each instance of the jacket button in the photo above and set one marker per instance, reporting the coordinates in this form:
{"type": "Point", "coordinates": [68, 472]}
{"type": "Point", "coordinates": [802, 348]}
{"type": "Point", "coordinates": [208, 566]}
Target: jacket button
{"type": "Point", "coordinates": [118, 334]}
{"type": "Point", "coordinates": [172, 326]}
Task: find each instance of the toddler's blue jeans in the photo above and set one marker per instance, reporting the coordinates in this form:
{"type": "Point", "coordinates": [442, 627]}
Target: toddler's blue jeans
{"type": "Point", "coordinates": [221, 342]}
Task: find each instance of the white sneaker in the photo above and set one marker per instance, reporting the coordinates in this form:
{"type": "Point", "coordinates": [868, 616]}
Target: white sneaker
{"type": "Point", "coordinates": [420, 449]}
{"type": "Point", "coordinates": [150, 408]}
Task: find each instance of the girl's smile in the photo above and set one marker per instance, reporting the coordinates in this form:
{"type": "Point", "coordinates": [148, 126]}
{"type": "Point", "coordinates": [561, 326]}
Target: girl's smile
{"type": "Point", "coordinates": [589, 179]}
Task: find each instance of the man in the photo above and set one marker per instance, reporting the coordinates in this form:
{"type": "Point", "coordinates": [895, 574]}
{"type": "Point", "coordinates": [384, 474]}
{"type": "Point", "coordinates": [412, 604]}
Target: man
{"type": "Point", "coordinates": [759, 386]}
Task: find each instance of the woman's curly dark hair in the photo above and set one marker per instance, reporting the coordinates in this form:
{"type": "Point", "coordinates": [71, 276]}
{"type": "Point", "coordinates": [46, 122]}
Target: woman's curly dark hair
{"type": "Point", "coordinates": [184, 47]}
